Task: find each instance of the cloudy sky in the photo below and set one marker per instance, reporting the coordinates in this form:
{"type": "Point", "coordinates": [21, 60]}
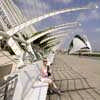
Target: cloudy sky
{"type": "Point", "coordinates": [89, 19]}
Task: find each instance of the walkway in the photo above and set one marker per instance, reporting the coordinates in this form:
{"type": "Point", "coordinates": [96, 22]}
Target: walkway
{"type": "Point", "coordinates": [75, 82]}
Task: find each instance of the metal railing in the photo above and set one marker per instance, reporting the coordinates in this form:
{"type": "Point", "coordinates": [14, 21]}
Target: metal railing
{"type": "Point", "coordinates": [7, 88]}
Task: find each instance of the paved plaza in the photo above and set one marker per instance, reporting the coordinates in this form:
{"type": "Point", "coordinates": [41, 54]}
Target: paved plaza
{"type": "Point", "coordinates": [77, 77]}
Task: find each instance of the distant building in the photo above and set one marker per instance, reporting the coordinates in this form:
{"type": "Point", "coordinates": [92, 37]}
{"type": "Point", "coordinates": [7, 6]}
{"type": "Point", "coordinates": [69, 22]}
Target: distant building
{"type": "Point", "coordinates": [79, 44]}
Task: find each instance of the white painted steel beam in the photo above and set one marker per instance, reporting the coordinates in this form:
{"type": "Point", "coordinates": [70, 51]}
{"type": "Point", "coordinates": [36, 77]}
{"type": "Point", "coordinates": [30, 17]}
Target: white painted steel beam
{"type": "Point", "coordinates": [34, 20]}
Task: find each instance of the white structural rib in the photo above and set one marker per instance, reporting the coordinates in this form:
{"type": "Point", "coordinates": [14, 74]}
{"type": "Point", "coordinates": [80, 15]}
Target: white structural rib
{"type": "Point", "coordinates": [51, 37]}
{"type": "Point", "coordinates": [58, 27]}
{"type": "Point", "coordinates": [55, 28]}
{"type": "Point", "coordinates": [34, 20]}
{"type": "Point", "coordinates": [53, 43]}
{"type": "Point", "coordinates": [67, 24]}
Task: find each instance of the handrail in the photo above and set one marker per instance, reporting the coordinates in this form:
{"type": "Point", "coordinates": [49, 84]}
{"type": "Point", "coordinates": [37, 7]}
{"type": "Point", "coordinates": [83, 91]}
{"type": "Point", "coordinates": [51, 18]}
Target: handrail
{"type": "Point", "coordinates": [9, 79]}
{"type": "Point", "coordinates": [7, 88]}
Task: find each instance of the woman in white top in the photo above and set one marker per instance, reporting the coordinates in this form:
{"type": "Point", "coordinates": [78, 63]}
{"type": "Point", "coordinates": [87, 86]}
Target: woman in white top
{"type": "Point", "coordinates": [44, 72]}
{"type": "Point", "coordinates": [44, 75]}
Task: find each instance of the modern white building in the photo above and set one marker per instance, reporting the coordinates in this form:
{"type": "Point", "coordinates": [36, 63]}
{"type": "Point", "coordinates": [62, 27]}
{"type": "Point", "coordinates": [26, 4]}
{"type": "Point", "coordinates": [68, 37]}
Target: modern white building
{"type": "Point", "coordinates": [79, 44]}
{"type": "Point", "coordinates": [11, 16]}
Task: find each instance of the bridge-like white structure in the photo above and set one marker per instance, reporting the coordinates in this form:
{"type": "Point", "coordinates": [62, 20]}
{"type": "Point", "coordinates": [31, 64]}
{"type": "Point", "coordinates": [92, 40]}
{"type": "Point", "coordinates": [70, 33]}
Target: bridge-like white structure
{"type": "Point", "coordinates": [28, 85]}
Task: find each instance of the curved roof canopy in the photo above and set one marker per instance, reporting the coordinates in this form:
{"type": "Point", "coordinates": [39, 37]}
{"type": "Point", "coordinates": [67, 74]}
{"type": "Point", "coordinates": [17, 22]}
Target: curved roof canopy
{"type": "Point", "coordinates": [79, 44]}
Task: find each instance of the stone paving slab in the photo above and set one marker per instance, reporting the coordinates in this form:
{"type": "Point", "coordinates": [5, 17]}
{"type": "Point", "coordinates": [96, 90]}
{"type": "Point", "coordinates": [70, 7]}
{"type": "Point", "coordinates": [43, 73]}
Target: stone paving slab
{"type": "Point", "coordinates": [73, 75]}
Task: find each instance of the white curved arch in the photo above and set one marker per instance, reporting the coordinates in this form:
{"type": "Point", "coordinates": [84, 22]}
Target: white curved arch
{"type": "Point", "coordinates": [51, 37]}
{"type": "Point", "coordinates": [62, 33]}
{"type": "Point", "coordinates": [67, 24]}
{"type": "Point", "coordinates": [53, 42]}
{"type": "Point", "coordinates": [34, 20]}
{"type": "Point", "coordinates": [58, 27]}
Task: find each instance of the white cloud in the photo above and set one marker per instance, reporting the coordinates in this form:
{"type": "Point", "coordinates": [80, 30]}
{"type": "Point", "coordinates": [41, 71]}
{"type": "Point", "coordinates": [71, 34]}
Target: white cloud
{"type": "Point", "coordinates": [82, 17]}
{"type": "Point", "coordinates": [97, 29]}
{"type": "Point", "coordinates": [78, 30]}
{"type": "Point", "coordinates": [38, 7]}
{"type": "Point", "coordinates": [33, 8]}
{"type": "Point", "coordinates": [64, 1]}
{"type": "Point", "coordinates": [92, 14]}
